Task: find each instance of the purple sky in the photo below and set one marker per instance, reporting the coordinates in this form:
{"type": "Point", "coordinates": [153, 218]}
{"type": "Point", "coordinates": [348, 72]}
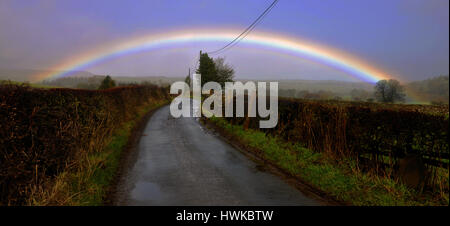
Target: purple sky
{"type": "Point", "coordinates": [408, 38]}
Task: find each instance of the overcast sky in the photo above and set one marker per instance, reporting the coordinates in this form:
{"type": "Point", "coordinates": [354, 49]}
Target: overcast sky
{"type": "Point", "coordinates": [407, 38]}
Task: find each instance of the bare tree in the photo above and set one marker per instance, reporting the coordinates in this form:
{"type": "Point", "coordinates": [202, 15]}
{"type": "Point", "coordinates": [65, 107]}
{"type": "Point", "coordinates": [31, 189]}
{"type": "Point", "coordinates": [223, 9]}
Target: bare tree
{"type": "Point", "coordinates": [225, 73]}
{"type": "Point", "coordinates": [389, 91]}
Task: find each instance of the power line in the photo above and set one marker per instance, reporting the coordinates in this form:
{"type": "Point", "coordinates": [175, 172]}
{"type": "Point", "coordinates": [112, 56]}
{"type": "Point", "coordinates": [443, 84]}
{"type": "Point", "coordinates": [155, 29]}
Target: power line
{"type": "Point", "coordinates": [246, 31]}
{"type": "Point", "coordinates": [243, 34]}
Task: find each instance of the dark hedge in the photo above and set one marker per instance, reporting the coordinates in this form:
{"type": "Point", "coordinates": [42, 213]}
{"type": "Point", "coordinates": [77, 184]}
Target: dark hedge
{"type": "Point", "coordinates": [369, 131]}
{"type": "Point", "coordinates": [41, 130]}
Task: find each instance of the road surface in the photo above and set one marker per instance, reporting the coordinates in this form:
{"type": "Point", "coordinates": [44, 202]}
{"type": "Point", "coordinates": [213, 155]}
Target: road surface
{"type": "Point", "coordinates": [178, 162]}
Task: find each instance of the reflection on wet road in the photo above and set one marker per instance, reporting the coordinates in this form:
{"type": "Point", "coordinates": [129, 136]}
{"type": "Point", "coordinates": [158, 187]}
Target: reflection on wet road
{"type": "Point", "coordinates": [180, 163]}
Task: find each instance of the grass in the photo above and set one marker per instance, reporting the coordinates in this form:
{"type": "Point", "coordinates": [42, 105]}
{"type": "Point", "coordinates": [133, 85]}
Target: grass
{"type": "Point", "coordinates": [88, 182]}
{"type": "Point", "coordinates": [33, 85]}
{"type": "Point", "coordinates": [339, 178]}
{"type": "Point", "coordinates": [100, 175]}
{"type": "Point", "coordinates": [97, 178]}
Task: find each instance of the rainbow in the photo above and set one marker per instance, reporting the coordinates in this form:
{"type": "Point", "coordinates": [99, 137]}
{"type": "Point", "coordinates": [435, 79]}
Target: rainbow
{"type": "Point", "coordinates": [278, 42]}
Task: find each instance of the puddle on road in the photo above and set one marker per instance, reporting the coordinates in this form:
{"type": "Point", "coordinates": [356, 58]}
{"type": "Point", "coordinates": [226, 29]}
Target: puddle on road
{"type": "Point", "coordinates": [146, 191]}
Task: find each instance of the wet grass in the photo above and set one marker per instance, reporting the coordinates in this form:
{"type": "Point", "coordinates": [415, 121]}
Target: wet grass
{"type": "Point", "coordinates": [104, 164]}
{"type": "Point", "coordinates": [339, 178]}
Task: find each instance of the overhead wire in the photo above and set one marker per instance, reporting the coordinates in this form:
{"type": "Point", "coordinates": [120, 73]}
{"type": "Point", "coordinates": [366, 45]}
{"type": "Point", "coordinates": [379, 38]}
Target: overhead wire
{"type": "Point", "coordinates": [242, 35]}
{"type": "Point", "coordinates": [246, 31]}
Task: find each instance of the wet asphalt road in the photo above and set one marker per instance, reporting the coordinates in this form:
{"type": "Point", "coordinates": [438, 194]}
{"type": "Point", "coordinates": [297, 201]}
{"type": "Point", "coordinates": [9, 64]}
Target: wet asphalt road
{"type": "Point", "coordinates": [178, 162]}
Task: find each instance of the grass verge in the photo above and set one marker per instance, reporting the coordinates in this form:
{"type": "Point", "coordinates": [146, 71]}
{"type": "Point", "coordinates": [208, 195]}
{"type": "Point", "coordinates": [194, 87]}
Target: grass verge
{"type": "Point", "coordinates": [340, 179]}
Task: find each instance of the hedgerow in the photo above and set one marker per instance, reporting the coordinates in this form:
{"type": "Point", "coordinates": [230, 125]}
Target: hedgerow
{"type": "Point", "coordinates": [377, 135]}
{"type": "Point", "coordinates": [42, 131]}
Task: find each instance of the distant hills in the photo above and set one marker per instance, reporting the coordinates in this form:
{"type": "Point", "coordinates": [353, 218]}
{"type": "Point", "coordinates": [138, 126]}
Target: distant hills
{"type": "Point", "coordinates": [93, 82]}
{"type": "Point", "coordinates": [317, 85]}
{"type": "Point", "coordinates": [79, 79]}
{"type": "Point", "coordinates": [27, 75]}
{"type": "Point", "coordinates": [434, 90]}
